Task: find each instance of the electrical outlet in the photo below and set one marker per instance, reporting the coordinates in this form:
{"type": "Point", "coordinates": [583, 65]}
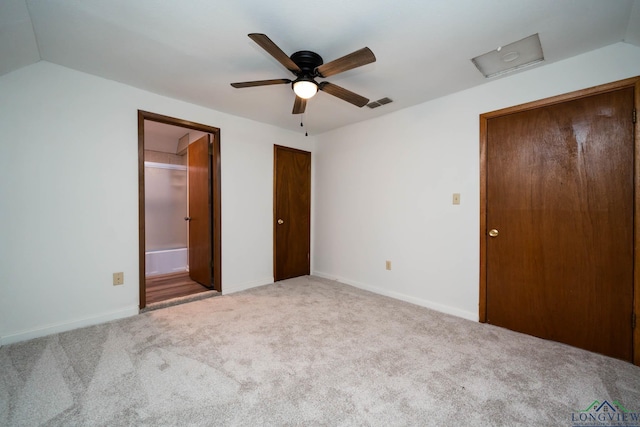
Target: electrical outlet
{"type": "Point", "coordinates": [456, 198]}
{"type": "Point", "coordinates": [388, 265]}
{"type": "Point", "coordinates": [118, 279]}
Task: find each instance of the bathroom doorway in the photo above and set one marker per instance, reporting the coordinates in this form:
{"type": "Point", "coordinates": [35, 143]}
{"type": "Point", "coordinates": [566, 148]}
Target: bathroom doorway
{"type": "Point", "coordinates": [179, 208]}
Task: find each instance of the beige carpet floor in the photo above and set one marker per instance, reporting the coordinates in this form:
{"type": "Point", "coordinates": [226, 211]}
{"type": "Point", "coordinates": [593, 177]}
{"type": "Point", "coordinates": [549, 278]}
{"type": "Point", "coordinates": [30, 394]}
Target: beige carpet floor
{"type": "Point", "coordinates": [305, 351]}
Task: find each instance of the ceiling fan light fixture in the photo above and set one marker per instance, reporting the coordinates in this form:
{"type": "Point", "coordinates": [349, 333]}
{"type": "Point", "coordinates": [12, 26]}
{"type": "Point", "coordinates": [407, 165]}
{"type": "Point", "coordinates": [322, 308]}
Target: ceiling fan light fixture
{"type": "Point", "coordinates": [306, 66]}
{"type": "Point", "coordinates": [305, 88]}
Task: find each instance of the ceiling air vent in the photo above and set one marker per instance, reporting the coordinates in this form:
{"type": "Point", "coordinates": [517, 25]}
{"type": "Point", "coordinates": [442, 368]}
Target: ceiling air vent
{"type": "Point", "coordinates": [380, 102]}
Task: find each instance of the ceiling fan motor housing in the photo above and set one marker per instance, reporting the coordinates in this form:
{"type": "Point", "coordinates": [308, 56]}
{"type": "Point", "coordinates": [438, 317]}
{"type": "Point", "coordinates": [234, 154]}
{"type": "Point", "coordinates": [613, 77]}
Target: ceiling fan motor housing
{"type": "Point", "coordinates": [307, 61]}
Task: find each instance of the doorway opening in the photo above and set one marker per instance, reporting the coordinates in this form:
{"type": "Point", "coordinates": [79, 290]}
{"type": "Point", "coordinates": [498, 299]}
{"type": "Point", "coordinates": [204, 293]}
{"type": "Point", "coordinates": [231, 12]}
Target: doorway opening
{"type": "Point", "coordinates": [179, 208]}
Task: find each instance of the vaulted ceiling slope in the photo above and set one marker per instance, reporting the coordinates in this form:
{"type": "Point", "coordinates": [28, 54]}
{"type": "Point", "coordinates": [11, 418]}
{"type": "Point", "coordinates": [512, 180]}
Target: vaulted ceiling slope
{"type": "Point", "coordinates": [192, 50]}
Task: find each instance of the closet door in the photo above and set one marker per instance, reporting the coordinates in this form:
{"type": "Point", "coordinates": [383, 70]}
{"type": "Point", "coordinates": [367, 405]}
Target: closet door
{"type": "Point", "coordinates": [292, 212]}
{"type": "Point", "coordinates": [559, 217]}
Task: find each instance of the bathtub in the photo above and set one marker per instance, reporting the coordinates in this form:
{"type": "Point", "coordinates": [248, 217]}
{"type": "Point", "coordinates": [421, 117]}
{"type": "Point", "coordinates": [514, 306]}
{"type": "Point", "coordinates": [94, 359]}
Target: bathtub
{"type": "Point", "coordinates": [167, 261]}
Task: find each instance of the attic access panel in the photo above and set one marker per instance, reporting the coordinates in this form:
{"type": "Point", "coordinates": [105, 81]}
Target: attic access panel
{"type": "Point", "coordinates": [511, 57]}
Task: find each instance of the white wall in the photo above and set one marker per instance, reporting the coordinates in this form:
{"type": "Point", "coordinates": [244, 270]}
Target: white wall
{"type": "Point", "coordinates": [69, 197]}
{"type": "Point", "coordinates": [384, 187]}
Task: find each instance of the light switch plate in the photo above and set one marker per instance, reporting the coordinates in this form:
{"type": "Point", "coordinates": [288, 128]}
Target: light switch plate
{"type": "Point", "coordinates": [456, 198]}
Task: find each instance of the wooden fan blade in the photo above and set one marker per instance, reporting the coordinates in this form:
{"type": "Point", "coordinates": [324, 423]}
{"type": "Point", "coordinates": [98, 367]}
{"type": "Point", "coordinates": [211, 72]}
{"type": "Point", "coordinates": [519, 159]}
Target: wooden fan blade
{"type": "Point", "coordinates": [355, 59]}
{"type": "Point", "coordinates": [299, 105]}
{"type": "Point", "coordinates": [272, 49]}
{"type": "Point", "coordinates": [260, 83]}
{"type": "Point", "coordinates": [344, 94]}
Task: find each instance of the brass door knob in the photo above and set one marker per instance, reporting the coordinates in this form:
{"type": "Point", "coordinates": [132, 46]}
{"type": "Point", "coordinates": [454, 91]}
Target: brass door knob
{"type": "Point", "coordinates": [280, 222]}
{"type": "Point", "coordinates": [493, 233]}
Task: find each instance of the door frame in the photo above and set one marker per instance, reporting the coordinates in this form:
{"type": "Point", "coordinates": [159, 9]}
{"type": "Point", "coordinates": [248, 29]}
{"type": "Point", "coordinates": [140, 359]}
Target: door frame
{"type": "Point", "coordinates": [216, 244]}
{"type": "Point", "coordinates": [621, 84]}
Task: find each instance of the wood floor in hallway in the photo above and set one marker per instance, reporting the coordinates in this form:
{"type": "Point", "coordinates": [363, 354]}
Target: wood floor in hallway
{"type": "Point", "coordinates": [169, 286]}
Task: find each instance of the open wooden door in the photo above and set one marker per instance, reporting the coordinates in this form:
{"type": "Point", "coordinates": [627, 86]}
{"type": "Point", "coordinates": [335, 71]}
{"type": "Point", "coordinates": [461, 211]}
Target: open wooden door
{"type": "Point", "coordinates": [200, 204]}
{"type": "Point", "coordinates": [560, 222]}
{"type": "Point", "coordinates": [292, 212]}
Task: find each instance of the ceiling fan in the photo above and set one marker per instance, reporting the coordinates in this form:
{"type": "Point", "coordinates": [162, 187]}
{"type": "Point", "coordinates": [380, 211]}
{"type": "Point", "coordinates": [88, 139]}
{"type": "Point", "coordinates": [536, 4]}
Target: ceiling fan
{"type": "Point", "coordinates": [307, 66]}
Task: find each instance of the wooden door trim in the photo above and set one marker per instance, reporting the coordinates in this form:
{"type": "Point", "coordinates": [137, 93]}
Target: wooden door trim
{"type": "Point", "coordinates": [275, 195]}
{"type": "Point", "coordinates": [216, 220]}
{"type": "Point", "coordinates": [484, 118]}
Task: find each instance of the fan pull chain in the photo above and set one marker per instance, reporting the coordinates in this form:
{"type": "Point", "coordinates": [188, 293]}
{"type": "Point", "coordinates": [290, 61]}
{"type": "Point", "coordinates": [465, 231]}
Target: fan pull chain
{"type": "Point", "coordinates": [302, 125]}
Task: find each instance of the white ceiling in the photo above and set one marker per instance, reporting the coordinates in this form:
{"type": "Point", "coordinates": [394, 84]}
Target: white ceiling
{"type": "Point", "coordinates": [162, 137]}
{"type": "Point", "coordinates": [193, 49]}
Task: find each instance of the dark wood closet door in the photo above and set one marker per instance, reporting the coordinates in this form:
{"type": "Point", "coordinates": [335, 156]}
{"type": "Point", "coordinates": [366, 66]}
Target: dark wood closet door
{"type": "Point", "coordinates": [292, 212]}
{"type": "Point", "coordinates": [560, 199]}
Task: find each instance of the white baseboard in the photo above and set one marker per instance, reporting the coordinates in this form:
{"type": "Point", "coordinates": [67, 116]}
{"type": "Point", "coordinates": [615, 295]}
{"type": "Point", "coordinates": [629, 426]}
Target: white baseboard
{"type": "Point", "coordinates": [229, 289]}
{"type": "Point", "coordinates": [403, 297]}
{"type": "Point", "coordinates": [67, 326]}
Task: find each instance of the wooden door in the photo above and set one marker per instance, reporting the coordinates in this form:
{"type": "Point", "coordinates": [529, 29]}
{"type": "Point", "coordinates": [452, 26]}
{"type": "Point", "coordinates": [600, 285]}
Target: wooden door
{"type": "Point", "coordinates": [200, 203]}
{"type": "Point", "coordinates": [560, 197]}
{"type": "Point", "coordinates": [292, 212]}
